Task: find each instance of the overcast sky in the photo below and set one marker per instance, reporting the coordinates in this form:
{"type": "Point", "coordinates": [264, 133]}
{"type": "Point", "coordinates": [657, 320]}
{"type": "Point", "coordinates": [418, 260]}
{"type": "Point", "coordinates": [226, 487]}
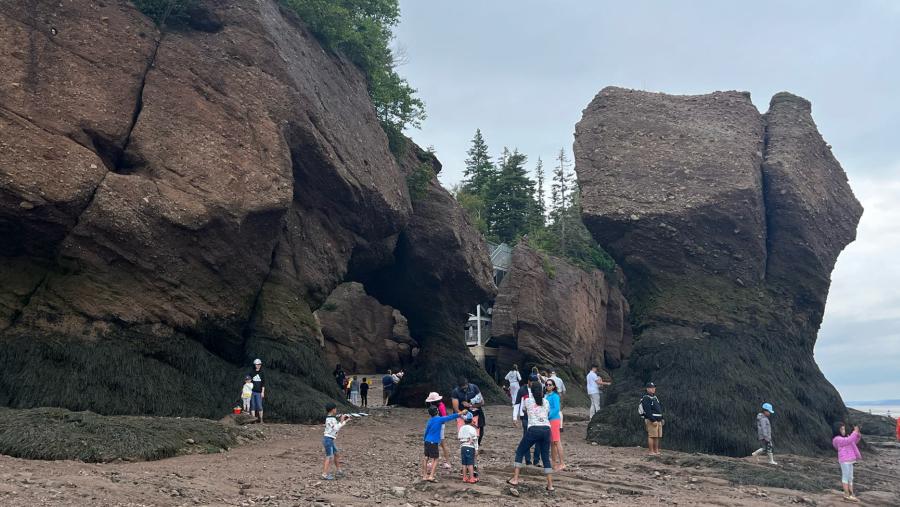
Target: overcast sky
{"type": "Point", "coordinates": [523, 70]}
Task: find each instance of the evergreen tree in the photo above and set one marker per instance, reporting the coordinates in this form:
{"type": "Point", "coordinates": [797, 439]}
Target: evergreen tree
{"type": "Point", "coordinates": [561, 193]}
{"type": "Point", "coordinates": [480, 169]}
{"type": "Point", "coordinates": [509, 201]}
{"type": "Point", "coordinates": [539, 193]}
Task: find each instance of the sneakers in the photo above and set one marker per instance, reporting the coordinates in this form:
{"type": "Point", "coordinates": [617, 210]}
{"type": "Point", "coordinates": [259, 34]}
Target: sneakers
{"type": "Point", "coordinates": [339, 473]}
{"type": "Point", "coordinates": [757, 452]}
{"type": "Point", "coordinates": [446, 465]}
{"type": "Point", "coordinates": [328, 477]}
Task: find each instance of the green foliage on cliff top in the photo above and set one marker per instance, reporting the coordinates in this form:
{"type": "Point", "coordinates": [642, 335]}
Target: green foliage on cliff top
{"type": "Point", "coordinates": [362, 31]}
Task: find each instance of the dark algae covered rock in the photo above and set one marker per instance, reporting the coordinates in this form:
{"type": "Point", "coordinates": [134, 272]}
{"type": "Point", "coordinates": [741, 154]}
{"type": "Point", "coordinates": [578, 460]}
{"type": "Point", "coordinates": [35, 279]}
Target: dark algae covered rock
{"type": "Point", "coordinates": [727, 224]}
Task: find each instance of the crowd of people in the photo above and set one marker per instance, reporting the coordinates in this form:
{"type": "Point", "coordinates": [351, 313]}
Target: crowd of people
{"type": "Point", "coordinates": [536, 406]}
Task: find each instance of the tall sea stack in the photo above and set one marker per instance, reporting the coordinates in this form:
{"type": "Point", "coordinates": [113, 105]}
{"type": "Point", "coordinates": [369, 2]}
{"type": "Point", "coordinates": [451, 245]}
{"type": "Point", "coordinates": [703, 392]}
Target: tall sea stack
{"type": "Point", "coordinates": [727, 223]}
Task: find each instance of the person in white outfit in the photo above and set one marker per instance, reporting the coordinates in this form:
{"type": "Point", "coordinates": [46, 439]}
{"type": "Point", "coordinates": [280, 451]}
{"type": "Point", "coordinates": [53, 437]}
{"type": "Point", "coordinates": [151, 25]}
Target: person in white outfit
{"type": "Point", "coordinates": [513, 377]}
{"type": "Point", "coordinates": [594, 385]}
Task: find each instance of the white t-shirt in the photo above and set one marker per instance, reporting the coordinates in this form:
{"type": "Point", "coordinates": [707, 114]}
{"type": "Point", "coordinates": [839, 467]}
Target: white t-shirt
{"type": "Point", "coordinates": [247, 392]}
{"type": "Point", "coordinates": [592, 387]}
{"type": "Point", "coordinates": [332, 426]}
{"type": "Point", "coordinates": [468, 436]}
{"type": "Point", "coordinates": [513, 377]}
{"type": "Point", "coordinates": [560, 386]}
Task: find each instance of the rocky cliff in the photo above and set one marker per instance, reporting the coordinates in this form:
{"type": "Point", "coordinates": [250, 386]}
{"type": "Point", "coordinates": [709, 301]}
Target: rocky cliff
{"type": "Point", "coordinates": [555, 314]}
{"type": "Point", "coordinates": [175, 203]}
{"type": "Point", "coordinates": [728, 224]}
{"type": "Point", "coordinates": [363, 335]}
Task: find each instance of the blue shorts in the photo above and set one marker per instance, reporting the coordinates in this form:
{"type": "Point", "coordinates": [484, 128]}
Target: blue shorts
{"type": "Point", "coordinates": [330, 448]}
{"type": "Point", "coordinates": [256, 402]}
{"type": "Point", "coordinates": [467, 455]}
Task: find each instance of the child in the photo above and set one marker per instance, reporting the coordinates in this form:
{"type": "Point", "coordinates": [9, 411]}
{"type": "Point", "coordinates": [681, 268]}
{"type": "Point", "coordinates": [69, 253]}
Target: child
{"type": "Point", "coordinates": [247, 393]}
{"type": "Point", "coordinates": [432, 441]}
{"type": "Point", "coordinates": [332, 426]}
{"type": "Point", "coordinates": [364, 392]}
{"type": "Point", "coordinates": [848, 454]}
{"type": "Point", "coordinates": [468, 445]}
{"type": "Point", "coordinates": [435, 400]}
{"type": "Point", "coordinates": [764, 432]}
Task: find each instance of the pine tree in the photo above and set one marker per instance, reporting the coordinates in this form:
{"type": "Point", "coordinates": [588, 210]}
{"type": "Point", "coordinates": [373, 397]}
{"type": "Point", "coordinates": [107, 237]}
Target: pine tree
{"type": "Point", "coordinates": [539, 193]}
{"type": "Point", "coordinates": [479, 168]}
{"type": "Point", "coordinates": [509, 200]}
{"type": "Point", "coordinates": [561, 192]}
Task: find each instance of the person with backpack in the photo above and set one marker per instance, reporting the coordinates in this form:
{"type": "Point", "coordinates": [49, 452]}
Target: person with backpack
{"type": "Point", "coordinates": [467, 396]}
{"type": "Point", "coordinates": [651, 410]}
{"type": "Point", "coordinates": [387, 387]}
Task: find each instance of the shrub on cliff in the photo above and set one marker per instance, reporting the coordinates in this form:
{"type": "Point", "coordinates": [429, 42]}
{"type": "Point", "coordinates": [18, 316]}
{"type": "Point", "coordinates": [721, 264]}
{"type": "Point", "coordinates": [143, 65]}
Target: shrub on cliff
{"type": "Point", "coordinates": [362, 30]}
{"type": "Point", "coordinates": [161, 11]}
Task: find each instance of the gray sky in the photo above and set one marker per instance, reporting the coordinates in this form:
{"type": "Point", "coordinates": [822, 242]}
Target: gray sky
{"type": "Point", "coordinates": [523, 70]}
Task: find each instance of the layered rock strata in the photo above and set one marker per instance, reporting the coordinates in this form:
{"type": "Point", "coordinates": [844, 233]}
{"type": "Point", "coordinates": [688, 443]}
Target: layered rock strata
{"type": "Point", "coordinates": [728, 224]}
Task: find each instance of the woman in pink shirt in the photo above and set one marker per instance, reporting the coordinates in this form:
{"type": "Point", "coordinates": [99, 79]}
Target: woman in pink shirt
{"type": "Point", "coordinates": [848, 454]}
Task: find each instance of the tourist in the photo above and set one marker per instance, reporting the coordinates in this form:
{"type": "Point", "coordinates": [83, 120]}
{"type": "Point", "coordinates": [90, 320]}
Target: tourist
{"type": "Point", "coordinates": [247, 393]}
{"type": "Point", "coordinates": [364, 392]}
{"type": "Point", "coordinates": [348, 384]}
{"type": "Point", "coordinates": [538, 434]}
{"type": "Point", "coordinates": [513, 378]}
{"type": "Point", "coordinates": [556, 452]}
{"type": "Point", "coordinates": [594, 391]}
{"type": "Point", "coordinates": [561, 389]}
{"type": "Point", "coordinates": [651, 410]}
{"type": "Point", "coordinates": [520, 415]}
{"type": "Point", "coordinates": [433, 440]}
{"type": "Point", "coordinates": [332, 426]}
{"type": "Point", "coordinates": [436, 400]}
{"type": "Point", "coordinates": [354, 390]}
{"type": "Point", "coordinates": [848, 455]}
{"type": "Point", "coordinates": [339, 376]}
{"type": "Point", "coordinates": [468, 447]}
{"type": "Point", "coordinates": [259, 391]}
{"type": "Point", "coordinates": [764, 432]}
{"type": "Point", "coordinates": [468, 396]}
{"type": "Point", "coordinates": [387, 387]}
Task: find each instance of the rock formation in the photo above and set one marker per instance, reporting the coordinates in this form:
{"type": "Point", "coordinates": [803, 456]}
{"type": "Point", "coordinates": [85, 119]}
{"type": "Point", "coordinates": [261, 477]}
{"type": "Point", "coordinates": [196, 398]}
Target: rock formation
{"type": "Point", "coordinates": [363, 335]}
{"type": "Point", "coordinates": [728, 224]}
{"type": "Point", "coordinates": [553, 313]}
{"type": "Point", "coordinates": [174, 204]}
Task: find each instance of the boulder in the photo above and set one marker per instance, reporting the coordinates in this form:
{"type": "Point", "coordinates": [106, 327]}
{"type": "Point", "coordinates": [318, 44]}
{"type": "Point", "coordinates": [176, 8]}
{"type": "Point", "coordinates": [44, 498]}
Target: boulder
{"type": "Point", "coordinates": [727, 224]}
{"type": "Point", "coordinates": [363, 335]}
{"type": "Point", "coordinates": [556, 314]}
{"type": "Point", "coordinates": [175, 203]}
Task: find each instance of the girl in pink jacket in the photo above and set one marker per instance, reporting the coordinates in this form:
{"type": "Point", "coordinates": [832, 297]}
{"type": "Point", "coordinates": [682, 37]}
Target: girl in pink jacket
{"type": "Point", "coordinates": [848, 454]}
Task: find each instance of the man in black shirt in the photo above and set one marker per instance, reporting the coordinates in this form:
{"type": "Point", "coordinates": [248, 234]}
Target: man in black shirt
{"type": "Point", "coordinates": [259, 390]}
{"type": "Point", "coordinates": [364, 393]}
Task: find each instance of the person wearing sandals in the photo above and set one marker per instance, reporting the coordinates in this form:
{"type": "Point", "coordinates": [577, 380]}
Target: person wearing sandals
{"type": "Point", "coordinates": [848, 455]}
{"type": "Point", "coordinates": [332, 426]}
{"type": "Point", "coordinates": [433, 440]}
{"type": "Point", "coordinates": [538, 434]}
{"type": "Point", "coordinates": [435, 400]}
{"type": "Point", "coordinates": [468, 448]}
{"type": "Point", "coordinates": [556, 452]}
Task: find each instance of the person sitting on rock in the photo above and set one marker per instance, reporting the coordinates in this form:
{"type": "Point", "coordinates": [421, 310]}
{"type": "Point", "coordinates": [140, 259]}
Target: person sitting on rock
{"type": "Point", "coordinates": [764, 432]}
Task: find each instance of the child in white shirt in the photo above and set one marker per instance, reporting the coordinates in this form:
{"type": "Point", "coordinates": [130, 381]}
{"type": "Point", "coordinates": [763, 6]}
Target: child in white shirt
{"type": "Point", "coordinates": [468, 441]}
{"type": "Point", "coordinates": [332, 426]}
{"type": "Point", "coordinates": [247, 393]}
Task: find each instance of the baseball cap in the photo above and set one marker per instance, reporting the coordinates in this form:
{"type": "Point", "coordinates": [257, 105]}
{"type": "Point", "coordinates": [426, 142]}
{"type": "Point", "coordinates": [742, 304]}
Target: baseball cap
{"type": "Point", "coordinates": [468, 417]}
{"type": "Point", "coordinates": [257, 361]}
{"type": "Point", "coordinates": [768, 407]}
{"type": "Point", "coordinates": [650, 384]}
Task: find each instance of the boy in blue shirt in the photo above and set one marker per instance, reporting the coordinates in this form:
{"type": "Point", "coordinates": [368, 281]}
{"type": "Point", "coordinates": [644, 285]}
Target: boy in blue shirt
{"type": "Point", "coordinates": [433, 440]}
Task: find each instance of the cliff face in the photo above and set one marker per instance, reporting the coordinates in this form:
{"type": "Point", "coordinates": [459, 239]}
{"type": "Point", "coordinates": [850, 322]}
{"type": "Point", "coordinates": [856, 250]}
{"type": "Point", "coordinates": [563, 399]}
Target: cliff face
{"type": "Point", "coordinates": [174, 204]}
{"type": "Point", "coordinates": [558, 315]}
{"type": "Point", "coordinates": [728, 224]}
{"type": "Point", "coordinates": [363, 335]}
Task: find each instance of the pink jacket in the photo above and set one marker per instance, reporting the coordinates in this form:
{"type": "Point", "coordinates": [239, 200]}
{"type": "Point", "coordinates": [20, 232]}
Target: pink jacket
{"type": "Point", "coordinates": [846, 447]}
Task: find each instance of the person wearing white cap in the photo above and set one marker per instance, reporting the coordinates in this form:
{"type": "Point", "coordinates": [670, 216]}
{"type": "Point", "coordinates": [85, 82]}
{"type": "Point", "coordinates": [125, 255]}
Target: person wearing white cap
{"type": "Point", "coordinates": [764, 432]}
{"type": "Point", "coordinates": [259, 391]}
{"type": "Point", "coordinates": [435, 400]}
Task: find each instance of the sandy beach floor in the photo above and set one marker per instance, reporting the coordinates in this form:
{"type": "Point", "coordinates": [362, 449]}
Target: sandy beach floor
{"type": "Point", "coordinates": [383, 452]}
